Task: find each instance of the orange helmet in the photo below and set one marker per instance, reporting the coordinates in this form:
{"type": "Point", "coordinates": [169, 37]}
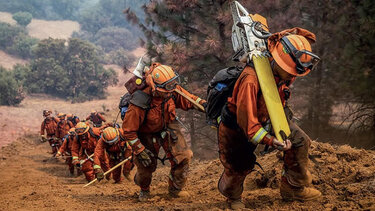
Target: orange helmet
{"type": "Point", "coordinates": [293, 54]}
{"type": "Point", "coordinates": [110, 135]}
{"type": "Point", "coordinates": [69, 115]}
{"type": "Point", "coordinates": [82, 128]}
{"type": "Point", "coordinates": [72, 131]}
{"type": "Point", "coordinates": [61, 115]}
{"type": "Point", "coordinates": [164, 79]}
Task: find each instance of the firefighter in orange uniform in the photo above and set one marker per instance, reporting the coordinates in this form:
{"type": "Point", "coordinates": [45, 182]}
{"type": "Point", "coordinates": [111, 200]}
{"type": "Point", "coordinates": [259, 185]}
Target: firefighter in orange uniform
{"type": "Point", "coordinates": [245, 117]}
{"type": "Point", "coordinates": [49, 125]}
{"type": "Point", "coordinates": [114, 144]}
{"type": "Point", "coordinates": [66, 149]}
{"type": "Point", "coordinates": [150, 123]}
{"type": "Point", "coordinates": [83, 146]}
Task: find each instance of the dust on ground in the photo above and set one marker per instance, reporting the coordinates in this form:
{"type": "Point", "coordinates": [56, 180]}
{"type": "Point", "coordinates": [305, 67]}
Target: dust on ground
{"type": "Point", "coordinates": [33, 181]}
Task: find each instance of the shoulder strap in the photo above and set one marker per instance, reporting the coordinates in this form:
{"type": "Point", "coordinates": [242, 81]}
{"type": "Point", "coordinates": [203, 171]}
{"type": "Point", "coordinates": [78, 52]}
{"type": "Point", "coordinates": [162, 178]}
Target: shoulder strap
{"type": "Point", "coordinates": [93, 134]}
{"type": "Point", "coordinates": [141, 99]}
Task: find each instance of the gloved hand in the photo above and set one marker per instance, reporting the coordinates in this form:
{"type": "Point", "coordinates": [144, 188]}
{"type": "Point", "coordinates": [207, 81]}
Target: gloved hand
{"type": "Point", "coordinates": [144, 157]}
{"type": "Point", "coordinates": [76, 163]}
{"type": "Point", "coordinates": [99, 174]}
{"type": "Point", "coordinates": [43, 138]}
{"type": "Point", "coordinates": [280, 145]}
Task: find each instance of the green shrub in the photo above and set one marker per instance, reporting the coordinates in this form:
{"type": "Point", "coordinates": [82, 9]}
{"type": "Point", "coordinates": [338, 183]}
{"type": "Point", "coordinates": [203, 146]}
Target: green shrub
{"type": "Point", "coordinates": [11, 92]}
{"type": "Point", "coordinates": [22, 18]}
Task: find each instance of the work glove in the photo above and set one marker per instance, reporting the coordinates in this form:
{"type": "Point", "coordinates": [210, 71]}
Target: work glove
{"type": "Point", "coordinates": [144, 157]}
{"type": "Point", "coordinates": [43, 138]}
{"type": "Point", "coordinates": [76, 163]}
{"type": "Point", "coordinates": [99, 174]}
{"type": "Point", "coordinates": [280, 145]}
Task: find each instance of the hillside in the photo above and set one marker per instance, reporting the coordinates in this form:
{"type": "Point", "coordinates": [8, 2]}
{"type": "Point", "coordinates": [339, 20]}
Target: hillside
{"type": "Point", "coordinates": [32, 181]}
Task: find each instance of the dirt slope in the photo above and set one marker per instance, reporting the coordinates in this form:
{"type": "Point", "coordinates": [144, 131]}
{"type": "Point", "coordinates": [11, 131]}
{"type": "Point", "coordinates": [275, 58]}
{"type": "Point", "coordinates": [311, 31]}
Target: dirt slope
{"type": "Point", "coordinates": [31, 181]}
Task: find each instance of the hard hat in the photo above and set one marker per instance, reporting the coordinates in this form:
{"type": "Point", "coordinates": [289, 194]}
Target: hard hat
{"type": "Point", "coordinates": [82, 128]}
{"type": "Point", "coordinates": [69, 115]}
{"type": "Point", "coordinates": [110, 135]}
{"type": "Point", "coordinates": [72, 131]}
{"type": "Point", "coordinates": [293, 54]}
{"type": "Point", "coordinates": [164, 78]}
{"type": "Point", "coordinates": [93, 111]}
{"type": "Point", "coordinates": [60, 115]}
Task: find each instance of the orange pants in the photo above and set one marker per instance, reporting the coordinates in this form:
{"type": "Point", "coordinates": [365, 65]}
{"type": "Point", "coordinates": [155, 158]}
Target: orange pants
{"type": "Point", "coordinates": [236, 155]}
{"type": "Point", "coordinates": [177, 152]}
{"type": "Point", "coordinates": [126, 168]}
{"type": "Point", "coordinates": [88, 169]}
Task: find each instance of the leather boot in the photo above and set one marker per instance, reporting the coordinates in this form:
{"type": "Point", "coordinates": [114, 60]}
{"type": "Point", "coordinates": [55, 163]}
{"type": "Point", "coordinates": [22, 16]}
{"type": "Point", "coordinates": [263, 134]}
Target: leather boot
{"type": "Point", "coordinates": [236, 204]}
{"type": "Point", "coordinates": [291, 193]}
{"type": "Point", "coordinates": [144, 195]}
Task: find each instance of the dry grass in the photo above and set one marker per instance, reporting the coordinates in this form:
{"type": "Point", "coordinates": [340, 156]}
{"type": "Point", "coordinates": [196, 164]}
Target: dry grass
{"type": "Point", "coordinates": [7, 18]}
{"type": "Point", "coordinates": [8, 61]}
{"type": "Point", "coordinates": [42, 29]}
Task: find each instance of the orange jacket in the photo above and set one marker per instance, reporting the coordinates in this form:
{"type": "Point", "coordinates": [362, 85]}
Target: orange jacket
{"type": "Point", "coordinates": [96, 118]}
{"type": "Point", "coordinates": [85, 144]}
{"type": "Point", "coordinates": [135, 121]}
{"type": "Point", "coordinates": [63, 128]}
{"type": "Point", "coordinates": [249, 106]}
{"type": "Point", "coordinates": [67, 145]}
{"type": "Point", "coordinates": [114, 150]}
{"type": "Point", "coordinates": [49, 124]}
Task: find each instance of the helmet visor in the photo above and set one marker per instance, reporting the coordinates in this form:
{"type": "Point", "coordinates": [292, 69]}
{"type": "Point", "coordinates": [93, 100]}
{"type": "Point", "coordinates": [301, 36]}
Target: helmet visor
{"type": "Point", "coordinates": [296, 55]}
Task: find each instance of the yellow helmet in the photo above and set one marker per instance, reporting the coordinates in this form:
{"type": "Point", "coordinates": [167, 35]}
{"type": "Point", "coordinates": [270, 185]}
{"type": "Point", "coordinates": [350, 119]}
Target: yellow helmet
{"type": "Point", "coordinates": [61, 115]}
{"type": "Point", "coordinates": [93, 111]}
{"type": "Point", "coordinates": [110, 135]}
{"type": "Point", "coordinates": [82, 128]}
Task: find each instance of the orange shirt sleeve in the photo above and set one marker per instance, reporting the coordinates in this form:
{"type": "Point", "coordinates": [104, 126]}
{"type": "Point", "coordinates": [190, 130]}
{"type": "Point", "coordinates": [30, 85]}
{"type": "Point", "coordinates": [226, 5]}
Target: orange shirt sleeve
{"type": "Point", "coordinates": [75, 148]}
{"type": "Point", "coordinates": [42, 128]}
{"type": "Point", "coordinates": [132, 122]}
{"type": "Point", "coordinates": [102, 117]}
{"type": "Point", "coordinates": [99, 153]}
{"type": "Point", "coordinates": [246, 102]}
{"type": "Point", "coordinates": [183, 103]}
{"type": "Point", "coordinates": [63, 147]}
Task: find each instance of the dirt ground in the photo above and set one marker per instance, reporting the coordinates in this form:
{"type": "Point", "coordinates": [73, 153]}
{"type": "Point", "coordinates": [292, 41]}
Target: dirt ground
{"type": "Point", "coordinates": [30, 180]}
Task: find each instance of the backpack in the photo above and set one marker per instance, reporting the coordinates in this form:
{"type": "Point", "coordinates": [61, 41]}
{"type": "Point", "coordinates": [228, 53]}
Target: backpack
{"type": "Point", "coordinates": [219, 89]}
{"type": "Point", "coordinates": [124, 104]}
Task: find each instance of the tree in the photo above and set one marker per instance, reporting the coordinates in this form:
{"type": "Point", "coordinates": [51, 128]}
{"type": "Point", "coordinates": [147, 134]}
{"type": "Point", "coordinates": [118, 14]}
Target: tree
{"type": "Point", "coordinates": [115, 38]}
{"type": "Point", "coordinates": [23, 18]}
{"type": "Point", "coordinates": [68, 69]}
{"type": "Point", "coordinates": [11, 91]}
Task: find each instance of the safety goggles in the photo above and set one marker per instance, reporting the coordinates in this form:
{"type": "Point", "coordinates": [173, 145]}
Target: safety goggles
{"type": "Point", "coordinates": [296, 55]}
{"type": "Point", "coordinates": [169, 85]}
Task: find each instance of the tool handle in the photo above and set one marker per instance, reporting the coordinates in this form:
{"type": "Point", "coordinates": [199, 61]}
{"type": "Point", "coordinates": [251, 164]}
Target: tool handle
{"type": "Point", "coordinates": [110, 170]}
{"type": "Point", "coordinates": [191, 100]}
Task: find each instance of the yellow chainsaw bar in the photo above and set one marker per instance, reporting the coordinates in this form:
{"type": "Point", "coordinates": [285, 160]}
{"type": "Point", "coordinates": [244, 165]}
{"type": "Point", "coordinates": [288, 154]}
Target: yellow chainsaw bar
{"type": "Point", "coordinates": [271, 96]}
